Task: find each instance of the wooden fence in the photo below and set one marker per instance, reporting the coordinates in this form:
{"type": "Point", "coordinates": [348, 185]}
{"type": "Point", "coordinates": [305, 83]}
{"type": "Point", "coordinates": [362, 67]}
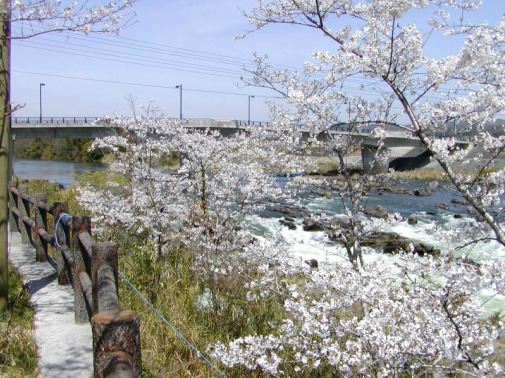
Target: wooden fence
{"type": "Point", "coordinates": [92, 270]}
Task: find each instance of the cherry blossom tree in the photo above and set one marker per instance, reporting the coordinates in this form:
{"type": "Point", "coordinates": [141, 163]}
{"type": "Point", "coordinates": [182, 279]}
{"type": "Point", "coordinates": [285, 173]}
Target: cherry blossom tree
{"type": "Point", "coordinates": [376, 41]}
{"type": "Point", "coordinates": [313, 108]}
{"type": "Point", "coordinates": [202, 205]}
{"type": "Point", "coordinates": [25, 19]}
{"type": "Point", "coordinates": [345, 322]}
{"type": "Point", "coordinates": [422, 315]}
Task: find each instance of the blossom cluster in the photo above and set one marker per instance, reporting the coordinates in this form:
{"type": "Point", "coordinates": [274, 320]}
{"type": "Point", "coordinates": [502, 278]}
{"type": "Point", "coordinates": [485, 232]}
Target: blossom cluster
{"type": "Point", "coordinates": [427, 319]}
{"type": "Point", "coordinates": [34, 17]}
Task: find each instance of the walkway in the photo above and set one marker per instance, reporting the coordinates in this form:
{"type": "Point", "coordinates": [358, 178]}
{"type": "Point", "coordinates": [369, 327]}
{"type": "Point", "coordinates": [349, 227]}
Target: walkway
{"type": "Point", "coordinates": [64, 348]}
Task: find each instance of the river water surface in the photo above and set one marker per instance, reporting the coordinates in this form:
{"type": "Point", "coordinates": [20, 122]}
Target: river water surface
{"type": "Point", "coordinates": [316, 244]}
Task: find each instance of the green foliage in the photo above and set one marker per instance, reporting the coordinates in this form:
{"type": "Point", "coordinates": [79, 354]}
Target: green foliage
{"type": "Point", "coordinates": [101, 179]}
{"type": "Point", "coordinates": [17, 345]}
{"type": "Point", "coordinates": [55, 193]}
{"type": "Point", "coordinates": [54, 149]}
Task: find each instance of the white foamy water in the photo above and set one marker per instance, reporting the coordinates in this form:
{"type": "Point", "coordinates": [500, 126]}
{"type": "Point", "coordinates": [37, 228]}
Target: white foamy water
{"type": "Point", "coordinates": [429, 230]}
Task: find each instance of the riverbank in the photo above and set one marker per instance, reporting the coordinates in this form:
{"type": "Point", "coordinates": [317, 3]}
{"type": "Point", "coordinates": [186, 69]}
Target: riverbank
{"type": "Point", "coordinates": [57, 149]}
{"type": "Point", "coordinates": [176, 288]}
{"type": "Point", "coordinates": [18, 357]}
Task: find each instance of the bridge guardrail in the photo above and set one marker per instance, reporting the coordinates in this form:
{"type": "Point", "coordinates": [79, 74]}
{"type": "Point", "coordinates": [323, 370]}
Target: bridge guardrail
{"type": "Point", "coordinates": [89, 120]}
{"type": "Point", "coordinates": [92, 270]}
{"type": "Point", "coordinates": [38, 120]}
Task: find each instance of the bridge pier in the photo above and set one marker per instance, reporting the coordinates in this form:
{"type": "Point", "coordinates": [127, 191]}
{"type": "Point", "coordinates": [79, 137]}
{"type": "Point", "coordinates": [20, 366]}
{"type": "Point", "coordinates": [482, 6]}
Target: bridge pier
{"type": "Point", "coordinates": [375, 161]}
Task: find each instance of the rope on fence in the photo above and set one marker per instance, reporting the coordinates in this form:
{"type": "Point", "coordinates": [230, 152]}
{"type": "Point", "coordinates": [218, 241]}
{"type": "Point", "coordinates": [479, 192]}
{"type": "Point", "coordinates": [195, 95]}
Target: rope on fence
{"type": "Point", "coordinates": [171, 326]}
{"type": "Point", "coordinates": [61, 218]}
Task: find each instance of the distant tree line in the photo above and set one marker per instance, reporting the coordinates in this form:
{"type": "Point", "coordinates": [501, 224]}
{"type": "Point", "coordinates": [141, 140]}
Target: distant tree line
{"type": "Point", "coordinates": [57, 149]}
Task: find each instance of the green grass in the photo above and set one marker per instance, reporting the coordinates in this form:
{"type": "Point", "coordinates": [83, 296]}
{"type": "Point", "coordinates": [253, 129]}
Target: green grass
{"type": "Point", "coordinates": [17, 344]}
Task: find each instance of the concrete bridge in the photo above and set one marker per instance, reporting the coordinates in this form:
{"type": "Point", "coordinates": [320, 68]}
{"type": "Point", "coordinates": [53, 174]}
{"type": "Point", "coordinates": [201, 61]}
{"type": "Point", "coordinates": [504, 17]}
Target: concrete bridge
{"type": "Point", "coordinates": [402, 152]}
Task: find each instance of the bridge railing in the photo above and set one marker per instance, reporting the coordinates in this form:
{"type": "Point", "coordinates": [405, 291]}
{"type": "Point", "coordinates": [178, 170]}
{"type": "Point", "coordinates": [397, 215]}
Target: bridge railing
{"type": "Point", "coordinates": [62, 120]}
{"type": "Point", "coordinates": [92, 270]}
{"type": "Point", "coordinates": [88, 120]}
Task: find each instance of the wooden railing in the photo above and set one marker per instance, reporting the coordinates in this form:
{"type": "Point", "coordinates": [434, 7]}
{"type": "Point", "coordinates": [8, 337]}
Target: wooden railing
{"type": "Point", "coordinates": [92, 270]}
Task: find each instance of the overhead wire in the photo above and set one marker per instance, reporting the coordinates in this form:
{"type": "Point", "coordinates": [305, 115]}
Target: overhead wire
{"type": "Point", "coordinates": [200, 55]}
{"type": "Point", "coordinates": [150, 61]}
{"type": "Point", "coordinates": [165, 49]}
{"type": "Point", "coordinates": [31, 45]}
{"type": "Point", "coordinates": [140, 84]}
{"type": "Point", "coordinates": [129, 55]}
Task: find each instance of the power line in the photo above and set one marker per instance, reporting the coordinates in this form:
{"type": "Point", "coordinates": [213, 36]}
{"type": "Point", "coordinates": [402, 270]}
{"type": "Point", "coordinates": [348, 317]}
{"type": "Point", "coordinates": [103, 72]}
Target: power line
{"type": "Point", "coordinates": [199, 69]}
{"type": "Point", "coordinates": [140, 84]}
{"type": "Point", "coordinates": [128, 53]}
{"type": "Point", "coordinates": [188, 54]}
{"type": "Point", "coordinates": [125, 61]}
{"type": "Point", "coordinates": [135, 57]}
{"type": "Point", "coordinates": [200, 55]}
{"type": "Point", "coordinates": [169, 67]}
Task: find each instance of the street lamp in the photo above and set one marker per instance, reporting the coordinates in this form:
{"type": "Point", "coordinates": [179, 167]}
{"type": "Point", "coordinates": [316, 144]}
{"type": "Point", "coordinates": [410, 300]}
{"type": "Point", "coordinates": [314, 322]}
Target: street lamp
{"type": "Point", "coordinates": [180, 99]}
{"type": "Point", "coordinates": [40, 98]}
{"type": "Point", "coordinates": [249, 110]}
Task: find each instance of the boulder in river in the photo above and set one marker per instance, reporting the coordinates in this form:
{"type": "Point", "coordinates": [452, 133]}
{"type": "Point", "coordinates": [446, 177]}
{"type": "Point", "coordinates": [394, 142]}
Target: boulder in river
{"type": "Point", "coordinates": [442, 206]}
{"type": "Point", "coordinates": [376, 212]}
{"type": "Point", "coordinates": [422, 192]}
{"type": "Point", "coordinates": [459, 201]}
{"type": "Point", "coordinates": [313, 263]}
{"type": "Point", "coordinates": [391, 242]}
{"type": "Point", "coordinates": [289, 210]}
{"type": "Point", "coordinates": [310, 224]}
{"type": "Point", "coordinates": [471, 210]}
{"type": "Point", "coordinates": [324, 193]}
{"type": "Point", "coordinates": [401, 191]}
{"type": "Point", "coordinates": [412, 219]}
{"type": "Point", "coordinates": [288, 223]}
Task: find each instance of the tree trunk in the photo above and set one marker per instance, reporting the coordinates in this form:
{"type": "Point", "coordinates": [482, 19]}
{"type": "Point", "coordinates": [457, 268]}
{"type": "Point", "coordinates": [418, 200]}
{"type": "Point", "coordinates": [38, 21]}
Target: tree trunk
{"type": "Point", "coordinates": [4, 146]}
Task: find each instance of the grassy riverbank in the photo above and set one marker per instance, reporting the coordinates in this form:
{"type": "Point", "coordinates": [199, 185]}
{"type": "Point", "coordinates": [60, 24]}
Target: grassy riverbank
{"type": "Point", "coordinates": [174, 289]}
{"type": "Point", "coordinates": [17, 340]}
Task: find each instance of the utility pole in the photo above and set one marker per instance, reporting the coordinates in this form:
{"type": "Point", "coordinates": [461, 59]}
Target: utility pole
{"type": "Point", "coordinates": [40, 97]}
{"type": "Point", "coordinates": [249, 111]}
{"type": "Point", "coordinates": [180, 99]}
{"type": "Point", "coordinates": [5, 117]}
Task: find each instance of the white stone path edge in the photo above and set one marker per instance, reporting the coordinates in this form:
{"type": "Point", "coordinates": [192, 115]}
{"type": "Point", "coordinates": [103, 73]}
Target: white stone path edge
{"type": "Point", "coordinates": [64, 349]}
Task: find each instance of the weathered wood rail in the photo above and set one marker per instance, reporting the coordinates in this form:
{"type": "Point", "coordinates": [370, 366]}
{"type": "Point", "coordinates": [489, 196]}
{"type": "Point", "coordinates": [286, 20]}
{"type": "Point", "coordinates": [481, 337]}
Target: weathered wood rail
{"type": "Point", "coordinates": [92, 270]}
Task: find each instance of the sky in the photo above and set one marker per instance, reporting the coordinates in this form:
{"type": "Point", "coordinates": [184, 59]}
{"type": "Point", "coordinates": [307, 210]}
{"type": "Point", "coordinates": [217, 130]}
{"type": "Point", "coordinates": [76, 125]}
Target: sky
{"type": "Point", "coordinates": [172, 42]}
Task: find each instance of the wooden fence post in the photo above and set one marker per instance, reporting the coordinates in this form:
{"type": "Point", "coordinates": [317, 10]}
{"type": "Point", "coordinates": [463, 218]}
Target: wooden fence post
{"type": "Point", "coordinates": [61, 234]}
{"type": "Point", "coordinates": [24, 210]}
{"type": "Point", "coordinates": [82, 264]}
{"type": "Point", "coordinates": [104, 267]}
{"type": "Point", "coordinates": [116, 344]}
{"type": "Point", "coordinates": [40, 222]}
{"type": "Point", "coordinates": [12, 203]}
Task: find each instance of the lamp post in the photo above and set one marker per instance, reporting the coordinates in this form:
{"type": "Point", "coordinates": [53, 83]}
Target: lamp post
{"type": "Point", "coordinates": [249, 110]}
{"type": "Point", "coordinates": [180, 98]}
{"type": "Point", "coordinates": [40, 98]}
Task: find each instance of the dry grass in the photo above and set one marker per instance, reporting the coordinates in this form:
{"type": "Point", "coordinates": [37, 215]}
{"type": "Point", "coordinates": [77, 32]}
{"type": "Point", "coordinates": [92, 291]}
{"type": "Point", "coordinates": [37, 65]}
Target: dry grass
{"type": "Point", "coordinates": [421, 175]}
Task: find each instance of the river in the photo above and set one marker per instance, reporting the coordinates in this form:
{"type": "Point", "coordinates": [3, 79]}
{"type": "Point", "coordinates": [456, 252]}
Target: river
{"type": "Point", "coordinates": [61, 172]}
{"type": "Point", "coordinates": [429, 229]}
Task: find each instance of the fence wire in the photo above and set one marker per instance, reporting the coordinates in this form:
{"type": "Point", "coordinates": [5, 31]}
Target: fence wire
{"type": "Point", "coordinates": [171, 326]}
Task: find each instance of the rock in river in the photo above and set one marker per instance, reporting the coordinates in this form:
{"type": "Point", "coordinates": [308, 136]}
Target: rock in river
{"type": "Point", "coordinates": [310, 224]}
{"type": "Point", "coordinates": [376, 212]}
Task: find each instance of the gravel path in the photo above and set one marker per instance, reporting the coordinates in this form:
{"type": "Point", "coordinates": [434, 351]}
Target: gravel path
{"type": "Point", "coordinates": [64, 349]}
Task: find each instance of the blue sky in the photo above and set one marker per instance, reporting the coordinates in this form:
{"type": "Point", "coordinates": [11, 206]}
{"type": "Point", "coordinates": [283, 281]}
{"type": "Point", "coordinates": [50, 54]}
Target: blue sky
{"type": "Point", "coordinates": [169, 39]}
